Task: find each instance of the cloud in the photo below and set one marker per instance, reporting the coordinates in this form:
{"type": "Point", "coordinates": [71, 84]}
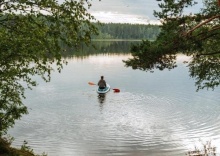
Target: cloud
{"type": "Point", "coordinates": [143, 8]}
{"type": "Point", "coordinates": [116, 17]}
{"type": "Point", "coordinates": [129, 11]}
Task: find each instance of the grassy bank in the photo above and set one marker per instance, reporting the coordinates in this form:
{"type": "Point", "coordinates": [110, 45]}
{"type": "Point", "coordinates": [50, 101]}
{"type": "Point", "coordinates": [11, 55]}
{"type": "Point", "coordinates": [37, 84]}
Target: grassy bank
{"type": "Point", "coordinates": [7, 150]}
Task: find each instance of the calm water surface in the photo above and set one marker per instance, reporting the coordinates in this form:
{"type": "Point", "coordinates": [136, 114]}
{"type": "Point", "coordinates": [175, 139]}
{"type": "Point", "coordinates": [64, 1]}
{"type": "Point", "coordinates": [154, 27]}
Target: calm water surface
{"type": "Point", "coordinates": [154, 114]}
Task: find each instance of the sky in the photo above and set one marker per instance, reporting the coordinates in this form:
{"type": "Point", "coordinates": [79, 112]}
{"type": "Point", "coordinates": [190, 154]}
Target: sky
{"type": "Point", "coordinates": [124, 11]}
{"type": "Point", "coordinates": [128, 11]}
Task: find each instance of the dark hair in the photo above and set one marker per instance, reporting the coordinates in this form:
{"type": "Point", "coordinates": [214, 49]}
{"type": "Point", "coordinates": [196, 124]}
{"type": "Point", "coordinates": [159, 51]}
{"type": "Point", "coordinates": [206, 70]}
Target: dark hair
{"type": "Point", "coordinates": [102, 77]}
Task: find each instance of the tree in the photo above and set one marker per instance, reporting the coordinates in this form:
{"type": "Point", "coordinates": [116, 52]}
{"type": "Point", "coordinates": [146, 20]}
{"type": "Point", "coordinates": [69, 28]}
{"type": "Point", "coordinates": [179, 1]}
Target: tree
{"type": "Point", "coordinates": [32, 33]}
{"type": "Point", "coordinates": [195, 35]}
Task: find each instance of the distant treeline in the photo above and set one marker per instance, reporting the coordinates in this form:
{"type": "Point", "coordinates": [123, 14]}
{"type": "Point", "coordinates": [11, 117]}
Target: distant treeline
{"type": "Point", "coordinates": [127, 31]}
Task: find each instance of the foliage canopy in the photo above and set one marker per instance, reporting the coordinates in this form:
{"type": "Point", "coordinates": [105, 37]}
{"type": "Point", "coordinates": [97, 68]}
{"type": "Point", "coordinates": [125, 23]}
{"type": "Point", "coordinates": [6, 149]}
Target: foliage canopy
{"type": "Point", "coordinates": [31, 35]}
{"type": "Point", "coordinates": [195, 35]}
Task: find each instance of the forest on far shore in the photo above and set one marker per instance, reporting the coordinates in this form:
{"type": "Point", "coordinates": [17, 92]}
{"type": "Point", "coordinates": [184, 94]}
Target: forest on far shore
{"type": "Point", "coordinates": [127, 31]}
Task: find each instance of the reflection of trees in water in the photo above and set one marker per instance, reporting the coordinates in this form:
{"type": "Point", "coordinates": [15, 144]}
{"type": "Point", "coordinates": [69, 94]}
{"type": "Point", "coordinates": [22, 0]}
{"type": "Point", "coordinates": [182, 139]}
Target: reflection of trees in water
{"type": "Point", "coordinates": [99, 47]}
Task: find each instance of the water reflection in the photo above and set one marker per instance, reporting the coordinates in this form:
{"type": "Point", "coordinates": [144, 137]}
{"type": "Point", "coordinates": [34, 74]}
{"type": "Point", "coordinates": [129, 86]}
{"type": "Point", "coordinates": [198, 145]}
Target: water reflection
{"type": "Point", "coordinates": [99, 47]}
{"type": "Point", "coordinates": [162, 115]}
{"type": "Point", "coordinates": [101, 99]}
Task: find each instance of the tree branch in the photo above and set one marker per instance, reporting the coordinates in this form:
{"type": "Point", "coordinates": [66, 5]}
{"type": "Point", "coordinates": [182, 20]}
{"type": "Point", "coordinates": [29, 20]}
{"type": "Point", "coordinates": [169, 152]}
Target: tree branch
{"type": "Point", "coordinates": [199, 25]}
{"type": "Point", "coordinates": [218, 52]}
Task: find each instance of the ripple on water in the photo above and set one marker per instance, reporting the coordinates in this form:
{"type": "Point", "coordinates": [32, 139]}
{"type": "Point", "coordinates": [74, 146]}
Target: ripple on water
{"type": "Point", "coordinates": [154, 121]}
{"type": "Point", "coordinates": [128, 123]}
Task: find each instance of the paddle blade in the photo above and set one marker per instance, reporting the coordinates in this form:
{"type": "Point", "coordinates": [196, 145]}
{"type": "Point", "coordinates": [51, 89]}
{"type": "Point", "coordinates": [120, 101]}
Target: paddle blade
{"type": "Point", "coordinates": [116, 90]}
{"type": "Point", "coordinates": [91, 83]}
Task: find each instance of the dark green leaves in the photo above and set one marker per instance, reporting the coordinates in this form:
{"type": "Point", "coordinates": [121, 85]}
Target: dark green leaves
{"type": "Point", "coordinates": [195, 35]}
{"type": "Point", "coordinates": [31, 35]}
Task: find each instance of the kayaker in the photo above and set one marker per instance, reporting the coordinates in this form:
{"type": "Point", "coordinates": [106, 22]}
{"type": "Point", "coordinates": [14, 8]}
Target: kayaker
{"type": "Point", "coordinates": [102, 83]}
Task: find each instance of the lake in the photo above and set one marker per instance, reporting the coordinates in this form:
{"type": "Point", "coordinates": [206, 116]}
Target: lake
{"type": "Point", "coordinates": [156, 113]}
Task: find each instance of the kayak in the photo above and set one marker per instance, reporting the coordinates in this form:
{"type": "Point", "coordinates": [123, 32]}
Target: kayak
{"type": "Point", "coordinates": [103, 91]}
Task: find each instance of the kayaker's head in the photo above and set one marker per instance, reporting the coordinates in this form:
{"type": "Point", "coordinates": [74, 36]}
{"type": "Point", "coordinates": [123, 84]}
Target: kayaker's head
{"type": "Point", "coordinates": [102, 77]}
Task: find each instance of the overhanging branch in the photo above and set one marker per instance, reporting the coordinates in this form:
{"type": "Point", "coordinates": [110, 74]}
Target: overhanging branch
{"type": "Point", "coordinates": [201, 24]}
{"type": "Point", "coordinates": [206, 54]}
